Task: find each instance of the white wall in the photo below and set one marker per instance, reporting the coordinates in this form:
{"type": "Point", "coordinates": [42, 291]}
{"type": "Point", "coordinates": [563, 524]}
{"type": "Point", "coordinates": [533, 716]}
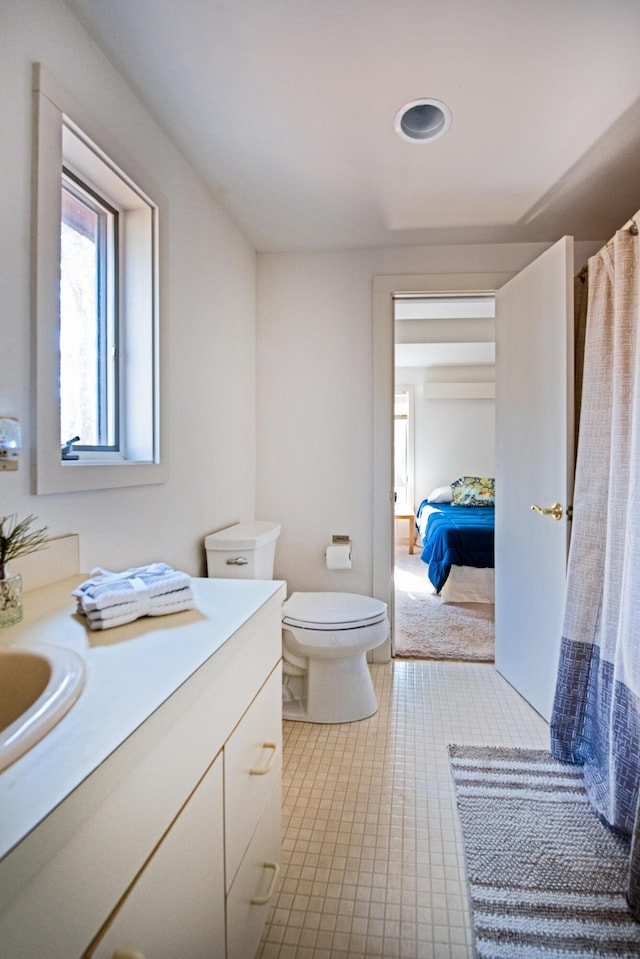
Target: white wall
{"type": "Point", "coordinates": [315, 391]}
{"type": "Point", "coordinates": [452, 437]}
{"type": "Point", "coordinates": [207, 312]}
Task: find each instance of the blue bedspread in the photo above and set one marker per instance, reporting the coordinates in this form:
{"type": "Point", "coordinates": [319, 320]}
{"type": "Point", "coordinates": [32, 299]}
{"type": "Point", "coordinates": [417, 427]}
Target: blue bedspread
{"type": "Point", "coordinates": [457, 536]}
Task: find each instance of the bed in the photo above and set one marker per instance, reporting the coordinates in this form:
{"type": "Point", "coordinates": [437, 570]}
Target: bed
{"type": "Point", "coordinates": [457, 541]}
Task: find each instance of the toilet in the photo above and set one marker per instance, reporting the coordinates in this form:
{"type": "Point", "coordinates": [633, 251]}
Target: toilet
{"type": "Point", "coordinates": [325, 641]}
{"type": "Point", "coordinates": [325, 635]}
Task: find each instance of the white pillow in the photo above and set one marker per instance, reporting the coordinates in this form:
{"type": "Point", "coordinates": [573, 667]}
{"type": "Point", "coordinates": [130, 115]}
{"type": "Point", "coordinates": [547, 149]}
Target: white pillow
{"type": "Point", "coordinates": [442, 494]}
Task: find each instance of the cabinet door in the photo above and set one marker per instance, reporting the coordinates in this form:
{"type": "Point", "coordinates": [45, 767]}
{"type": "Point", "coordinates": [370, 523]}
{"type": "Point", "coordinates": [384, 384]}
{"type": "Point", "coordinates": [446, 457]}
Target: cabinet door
{"type": "Point", "coordinates": [175, 906]}
{"type": "Point", "coordinates": [252, 766]}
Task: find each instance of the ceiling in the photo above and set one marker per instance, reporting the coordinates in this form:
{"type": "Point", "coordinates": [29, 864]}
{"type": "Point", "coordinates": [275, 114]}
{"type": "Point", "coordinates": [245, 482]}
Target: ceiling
{"type": "Point", "coordinates": [285, 108]}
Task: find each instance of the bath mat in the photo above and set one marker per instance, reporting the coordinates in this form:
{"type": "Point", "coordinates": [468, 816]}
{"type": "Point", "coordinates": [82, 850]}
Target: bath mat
{"type": "Point", "coordinates": [546, 877]}
{"type": "Point", "coordinates": [427, 628]}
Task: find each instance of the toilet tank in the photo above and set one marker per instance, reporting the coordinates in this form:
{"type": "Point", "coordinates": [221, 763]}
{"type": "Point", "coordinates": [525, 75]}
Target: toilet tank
{"type": "Point", "coordinates": [243, 551]}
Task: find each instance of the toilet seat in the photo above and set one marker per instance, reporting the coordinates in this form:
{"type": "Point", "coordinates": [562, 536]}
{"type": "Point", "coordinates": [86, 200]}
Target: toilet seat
{"type": "Point", "coordinates": [332, 611]}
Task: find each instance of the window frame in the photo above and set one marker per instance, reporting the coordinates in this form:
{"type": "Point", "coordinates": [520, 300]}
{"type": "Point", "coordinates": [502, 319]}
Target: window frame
{"type": "Point", "coordinates": [140, 462]}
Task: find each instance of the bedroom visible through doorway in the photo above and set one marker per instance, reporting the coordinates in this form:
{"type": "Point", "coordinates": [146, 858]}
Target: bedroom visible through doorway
{"type": "Point", "coordinates": [444, 431]}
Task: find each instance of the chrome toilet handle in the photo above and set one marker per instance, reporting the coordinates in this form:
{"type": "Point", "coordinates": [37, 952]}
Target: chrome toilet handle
{"type": "Point", "coordinates": [237, 561]}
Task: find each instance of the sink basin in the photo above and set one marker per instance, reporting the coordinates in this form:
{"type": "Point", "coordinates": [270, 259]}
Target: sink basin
{"type": "Point", "coordinates": [38, 685]}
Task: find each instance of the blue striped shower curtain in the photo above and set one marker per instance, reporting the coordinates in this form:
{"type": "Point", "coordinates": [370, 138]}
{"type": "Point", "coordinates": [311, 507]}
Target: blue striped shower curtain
{"type": "Point", "coordinates": [596, 713]}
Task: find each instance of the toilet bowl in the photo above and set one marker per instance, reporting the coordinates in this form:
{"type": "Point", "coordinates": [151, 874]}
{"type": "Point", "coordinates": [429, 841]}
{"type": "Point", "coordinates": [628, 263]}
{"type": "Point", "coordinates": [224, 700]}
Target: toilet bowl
{"type": "Point", "coordinates": [325, 635]}
{"type": "Point", "coordinates": [325, 641]}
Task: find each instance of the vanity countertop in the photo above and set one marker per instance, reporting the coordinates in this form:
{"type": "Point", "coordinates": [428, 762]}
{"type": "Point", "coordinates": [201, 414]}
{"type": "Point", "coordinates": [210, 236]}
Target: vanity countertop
{"type": "Point", "coordinates": [131, 671]}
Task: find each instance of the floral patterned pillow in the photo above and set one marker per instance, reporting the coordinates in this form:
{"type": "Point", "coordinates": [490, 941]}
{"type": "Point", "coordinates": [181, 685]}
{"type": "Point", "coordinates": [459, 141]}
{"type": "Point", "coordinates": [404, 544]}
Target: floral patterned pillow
{"type": "Point", "coordinates": [474, 491]}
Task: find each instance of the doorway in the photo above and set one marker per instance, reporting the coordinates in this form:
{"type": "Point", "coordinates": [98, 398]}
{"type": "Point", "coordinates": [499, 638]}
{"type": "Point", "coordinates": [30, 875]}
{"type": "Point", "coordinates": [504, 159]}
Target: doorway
{"type": "Point", "coordinates": [534, 456]}
{"type": "Point", "coordinates": [444, 428]}
{"type": "Point", "coordinates": [386, 291]}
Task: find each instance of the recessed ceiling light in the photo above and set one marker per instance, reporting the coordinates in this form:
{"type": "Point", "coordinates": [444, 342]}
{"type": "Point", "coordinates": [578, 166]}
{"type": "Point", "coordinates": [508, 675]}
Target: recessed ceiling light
{"type": "Point", "coordinates": [423, 120]}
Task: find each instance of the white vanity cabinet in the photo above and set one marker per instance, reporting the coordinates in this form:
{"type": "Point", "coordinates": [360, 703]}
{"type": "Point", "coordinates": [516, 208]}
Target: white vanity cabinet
{"type": "Point", "coordinates": [170, 848]}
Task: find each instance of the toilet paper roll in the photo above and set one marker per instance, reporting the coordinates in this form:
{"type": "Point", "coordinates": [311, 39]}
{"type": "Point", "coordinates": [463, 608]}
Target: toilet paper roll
{"type": "Point", "coordinates": [339, 557]}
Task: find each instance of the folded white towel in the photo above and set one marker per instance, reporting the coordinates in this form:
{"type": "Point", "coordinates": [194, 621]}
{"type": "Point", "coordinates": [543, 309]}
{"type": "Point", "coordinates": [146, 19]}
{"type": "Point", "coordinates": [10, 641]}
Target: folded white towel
{"type": "Point", "coordinates": [112, 589]}
{"type": "Point", "coordinates": [145, 606]}
{"type": "Point", "coordinates": [120, 615]}
{"type": "Point", "coordinates": [112, 599]}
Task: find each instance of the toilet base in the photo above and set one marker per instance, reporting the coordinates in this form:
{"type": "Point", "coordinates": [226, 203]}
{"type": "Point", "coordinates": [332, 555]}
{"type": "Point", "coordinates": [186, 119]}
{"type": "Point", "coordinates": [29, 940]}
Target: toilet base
{"type": "Point", "coordinates": [335, 691]}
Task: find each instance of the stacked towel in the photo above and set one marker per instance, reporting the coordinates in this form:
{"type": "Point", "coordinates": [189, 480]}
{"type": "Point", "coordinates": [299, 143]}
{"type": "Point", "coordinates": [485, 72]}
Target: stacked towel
{"type": "Point", "coordinates": [112, 599]}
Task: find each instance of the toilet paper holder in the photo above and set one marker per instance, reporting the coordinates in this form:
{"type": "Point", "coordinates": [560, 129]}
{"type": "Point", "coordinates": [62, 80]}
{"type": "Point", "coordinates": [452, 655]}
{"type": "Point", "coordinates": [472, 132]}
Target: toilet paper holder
{"type": "Point", "coordinates": [338, 553]}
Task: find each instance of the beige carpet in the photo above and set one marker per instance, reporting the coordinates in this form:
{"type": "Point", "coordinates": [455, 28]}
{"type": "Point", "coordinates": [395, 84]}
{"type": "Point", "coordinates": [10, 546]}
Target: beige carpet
{"type": "Point", "coordinates": [427, 628]}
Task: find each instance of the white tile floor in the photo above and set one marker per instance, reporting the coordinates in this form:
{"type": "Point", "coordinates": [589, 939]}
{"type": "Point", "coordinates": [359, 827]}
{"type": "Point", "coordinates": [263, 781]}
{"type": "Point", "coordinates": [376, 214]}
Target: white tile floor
{"type": "Point", "coordinates": [372, 856]}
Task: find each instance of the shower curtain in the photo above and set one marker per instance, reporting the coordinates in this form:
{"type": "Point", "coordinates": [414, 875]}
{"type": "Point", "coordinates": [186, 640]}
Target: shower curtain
{"type": "Point", "coordinates": [596, 712]}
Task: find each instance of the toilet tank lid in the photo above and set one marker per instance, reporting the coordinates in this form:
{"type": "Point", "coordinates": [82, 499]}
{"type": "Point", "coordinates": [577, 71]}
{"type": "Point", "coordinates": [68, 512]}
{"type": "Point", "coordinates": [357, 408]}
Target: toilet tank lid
{"type": "Point", "coordinates": [250, 535]}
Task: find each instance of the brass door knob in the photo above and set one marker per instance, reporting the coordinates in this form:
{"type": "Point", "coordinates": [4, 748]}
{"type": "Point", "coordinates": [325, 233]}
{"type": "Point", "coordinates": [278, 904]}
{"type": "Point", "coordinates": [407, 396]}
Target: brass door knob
{"type": "Point", "coordinates": [555, 510]}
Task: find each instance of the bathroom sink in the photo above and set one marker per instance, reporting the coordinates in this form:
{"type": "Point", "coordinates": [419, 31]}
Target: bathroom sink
{"type": "Point", "coordinates": [38, 685]}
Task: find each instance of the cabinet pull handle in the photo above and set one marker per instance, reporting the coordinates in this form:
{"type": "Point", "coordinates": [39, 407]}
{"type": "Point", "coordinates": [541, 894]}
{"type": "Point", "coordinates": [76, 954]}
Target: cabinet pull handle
{"type": "Point", "coordinates": [261, 900]}
{"type": "Point", "coordinates": [261, 772]}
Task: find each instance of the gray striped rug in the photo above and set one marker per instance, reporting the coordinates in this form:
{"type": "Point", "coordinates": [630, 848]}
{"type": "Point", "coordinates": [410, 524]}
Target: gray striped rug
{"type": "Point", "coordinates": [546, 877]}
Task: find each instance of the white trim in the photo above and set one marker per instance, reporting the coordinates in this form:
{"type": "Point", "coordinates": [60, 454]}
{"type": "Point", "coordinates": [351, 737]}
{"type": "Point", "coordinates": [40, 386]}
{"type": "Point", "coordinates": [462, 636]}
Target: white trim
{"type": "Point", "coordinates": [52, 108]}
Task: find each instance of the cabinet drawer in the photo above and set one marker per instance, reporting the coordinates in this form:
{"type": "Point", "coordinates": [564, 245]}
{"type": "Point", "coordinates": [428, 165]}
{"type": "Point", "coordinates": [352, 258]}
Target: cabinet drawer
{"type": "Point", "coordinates": [251, 894]}
{"type": "Point", "coordinates": [252, 764]}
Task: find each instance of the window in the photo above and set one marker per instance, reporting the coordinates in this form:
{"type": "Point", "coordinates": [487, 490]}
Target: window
{"type": "Point", "coordinates": [96, 298]}
{"type": "Point", "coordinates": [403, 450]}
{"type": "Point", "coordinates": [88, 318]}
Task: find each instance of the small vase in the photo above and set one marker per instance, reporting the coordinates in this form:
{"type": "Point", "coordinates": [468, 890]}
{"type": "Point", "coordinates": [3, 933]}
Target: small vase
{"type": "Point", "coordinates": [10, 600]}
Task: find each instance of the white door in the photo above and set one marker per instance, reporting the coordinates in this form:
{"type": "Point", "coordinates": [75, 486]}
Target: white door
{"type": "Point", "coordinates": [534, 465]}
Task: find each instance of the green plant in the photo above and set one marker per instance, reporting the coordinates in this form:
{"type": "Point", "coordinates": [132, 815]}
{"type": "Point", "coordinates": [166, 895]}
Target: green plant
{"type": "Point", "coordinates": [18, 539]}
